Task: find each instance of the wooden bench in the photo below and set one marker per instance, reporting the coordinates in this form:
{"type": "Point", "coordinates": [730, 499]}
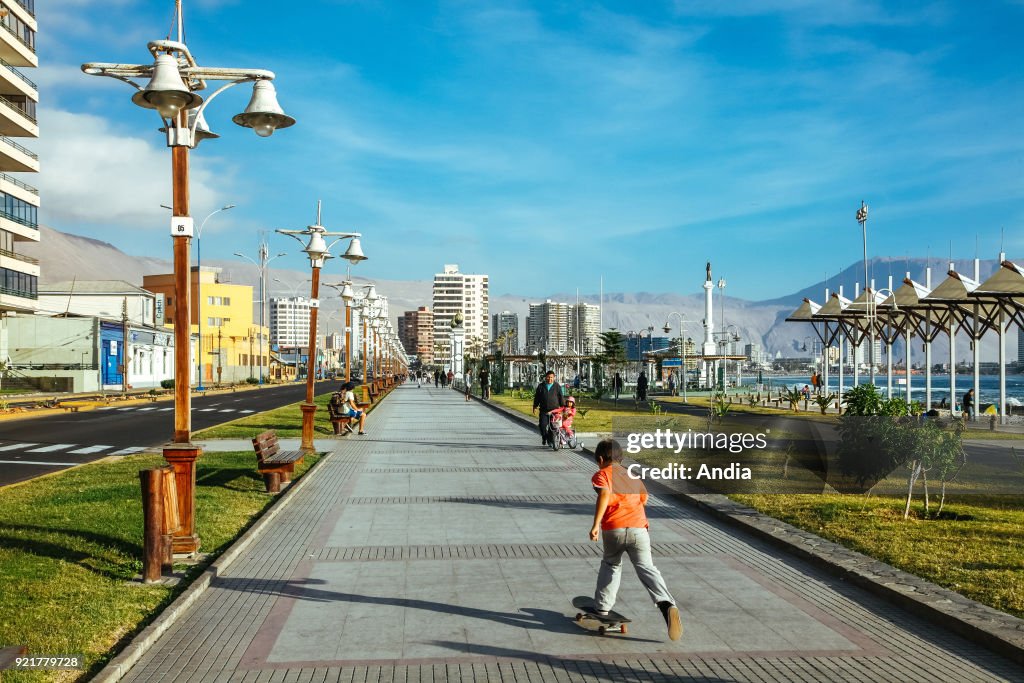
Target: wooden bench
{"type": "Point", "coordinates": [275, 465]}
{"type": "Point", "coordinates": [342, 423]}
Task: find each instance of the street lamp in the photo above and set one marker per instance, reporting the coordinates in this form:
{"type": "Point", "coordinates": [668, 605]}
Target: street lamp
{"type": "Point", "coordinates": [347, 294]}
{"type": "Point", "coordinates": [199, 288]}
{"type": "Point", "coordinates": [318, 252]}
{"type": "Point", "coordinates": [682, 346]}
{"type": "Point", "coordinates": [175, 78]}
{"type": "Point", "coordinates": [862, 218]}
{"type": "Point", "coordinates": [261, 265]}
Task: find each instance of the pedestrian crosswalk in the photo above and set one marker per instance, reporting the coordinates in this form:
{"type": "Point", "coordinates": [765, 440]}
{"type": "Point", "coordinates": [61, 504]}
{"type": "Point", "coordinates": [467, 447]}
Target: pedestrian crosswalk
{"type": "Point", "coordinates": [11, 449]}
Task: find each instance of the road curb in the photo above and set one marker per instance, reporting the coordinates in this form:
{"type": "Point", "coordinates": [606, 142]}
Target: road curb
{"type": "Point", "coordinates": [998, 631]}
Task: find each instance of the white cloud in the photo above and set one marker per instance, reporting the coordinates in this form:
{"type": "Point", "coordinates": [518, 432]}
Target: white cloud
{"type": "Point", "coordinates": [92, 174]}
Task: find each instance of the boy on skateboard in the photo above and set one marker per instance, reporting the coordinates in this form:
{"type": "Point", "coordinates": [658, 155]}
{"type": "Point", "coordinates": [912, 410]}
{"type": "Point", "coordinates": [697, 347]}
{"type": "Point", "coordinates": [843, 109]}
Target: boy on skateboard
{"type": "Point", "coordinates": [620, 521]}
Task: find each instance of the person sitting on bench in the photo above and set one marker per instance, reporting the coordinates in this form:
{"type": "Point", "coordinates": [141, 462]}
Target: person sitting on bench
{"type": "Point", "coordinates": [352, 410]}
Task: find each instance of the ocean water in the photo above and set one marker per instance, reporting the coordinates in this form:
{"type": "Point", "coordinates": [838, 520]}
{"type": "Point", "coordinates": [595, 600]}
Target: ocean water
{"type": "Point", "coordinates": [989, 390]}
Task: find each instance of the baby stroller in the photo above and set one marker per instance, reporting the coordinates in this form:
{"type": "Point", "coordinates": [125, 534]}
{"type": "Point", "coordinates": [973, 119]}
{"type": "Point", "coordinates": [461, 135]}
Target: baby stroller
{"type": "Point", "coordinates": [560, 431]}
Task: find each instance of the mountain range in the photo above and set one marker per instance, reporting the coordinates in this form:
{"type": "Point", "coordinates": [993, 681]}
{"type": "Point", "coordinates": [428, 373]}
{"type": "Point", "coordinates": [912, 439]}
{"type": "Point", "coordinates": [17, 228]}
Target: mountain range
{"type": "Point", "coordinates": [65, 256]}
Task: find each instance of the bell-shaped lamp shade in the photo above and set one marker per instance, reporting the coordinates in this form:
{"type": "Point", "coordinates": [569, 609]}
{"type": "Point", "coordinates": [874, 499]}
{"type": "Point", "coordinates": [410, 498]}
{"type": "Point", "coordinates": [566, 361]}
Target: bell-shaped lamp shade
{"type": "Point", "coordinates": [317, 247]}
{"type": "Point", "coordinates": [346, 293]}
{"type": "Point", "coordinates": [264, 115]}
{"type": "Point", "coordinates": [354, 253]}
{"type": "Point", "coordinates": [166, 92]}
{"type": "Point", "coordinates": [371, 294]}
{"type": "Point", "coordinates": [667, 328]}
{"type": "Point", "coordinates": [203, 131]}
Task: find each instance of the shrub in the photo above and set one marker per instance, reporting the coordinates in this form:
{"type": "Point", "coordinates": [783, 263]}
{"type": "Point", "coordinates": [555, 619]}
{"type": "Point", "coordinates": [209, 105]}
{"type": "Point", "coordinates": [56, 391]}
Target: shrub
{"type": "Point", "coordinates": [167, 383]}
{"type": "Point", "coordinates": [251, 380]}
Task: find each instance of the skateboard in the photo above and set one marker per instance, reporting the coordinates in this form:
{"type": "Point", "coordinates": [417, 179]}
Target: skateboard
{"type": "Point", "coordinates": [613, 622]}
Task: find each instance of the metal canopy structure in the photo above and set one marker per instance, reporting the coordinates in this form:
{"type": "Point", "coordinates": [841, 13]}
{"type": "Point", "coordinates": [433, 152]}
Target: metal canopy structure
{"type": "Point", "coordinates": [958, 304]}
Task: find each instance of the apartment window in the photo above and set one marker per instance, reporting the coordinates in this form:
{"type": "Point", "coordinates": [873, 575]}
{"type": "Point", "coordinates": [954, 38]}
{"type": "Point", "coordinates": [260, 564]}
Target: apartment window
{"type": "Point", "coordinates": [19, 284]}
{"type": "Point", "coordinates": [20, 29]}
{"type": "Point", "coordinates": [18, 210]}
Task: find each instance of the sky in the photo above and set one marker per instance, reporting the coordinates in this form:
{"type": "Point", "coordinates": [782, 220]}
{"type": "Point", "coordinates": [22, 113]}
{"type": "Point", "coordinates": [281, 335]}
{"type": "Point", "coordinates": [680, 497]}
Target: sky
{"type": "Point", "coordinates": [552, 143]}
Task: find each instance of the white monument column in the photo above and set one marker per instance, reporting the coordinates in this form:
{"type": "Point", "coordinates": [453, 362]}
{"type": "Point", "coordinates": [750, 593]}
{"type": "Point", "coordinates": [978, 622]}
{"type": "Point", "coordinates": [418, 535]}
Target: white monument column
{"type": "Point", "coordinates": [709, 348]}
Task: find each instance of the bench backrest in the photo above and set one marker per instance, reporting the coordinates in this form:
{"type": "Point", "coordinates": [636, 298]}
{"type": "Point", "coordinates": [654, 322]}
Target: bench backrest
{"type": "Point", "coordinates": [266, 444]}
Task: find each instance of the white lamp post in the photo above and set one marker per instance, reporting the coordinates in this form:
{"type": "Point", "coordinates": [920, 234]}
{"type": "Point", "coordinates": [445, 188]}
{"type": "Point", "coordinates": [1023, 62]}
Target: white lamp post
{"type": "Point", "coordinates": [682, 347]}
{"type": "Point", "coordinates": [318, 252]}
{"type": "Point", "coordinates": [174, 81]}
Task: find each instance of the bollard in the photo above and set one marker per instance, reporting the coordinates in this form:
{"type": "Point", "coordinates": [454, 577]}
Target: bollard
{"type": "Point", "coordinates": [171, 518]}
{"type": "Point", "coordinates": [152, 524]}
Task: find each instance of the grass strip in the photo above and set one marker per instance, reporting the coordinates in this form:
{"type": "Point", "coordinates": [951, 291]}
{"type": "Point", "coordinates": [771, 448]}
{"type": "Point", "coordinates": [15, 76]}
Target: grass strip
{"type": "Point", "coordinates": [70, 543]}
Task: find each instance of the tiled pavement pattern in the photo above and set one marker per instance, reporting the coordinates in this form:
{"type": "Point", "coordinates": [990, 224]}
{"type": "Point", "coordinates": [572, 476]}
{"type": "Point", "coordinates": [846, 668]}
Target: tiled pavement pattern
{"type": "Point", "coordinates": [447, 545]}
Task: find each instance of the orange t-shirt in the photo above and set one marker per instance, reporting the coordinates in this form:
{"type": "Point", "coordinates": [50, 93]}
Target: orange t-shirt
{"type": "Point", "coordinates": [628, 497]}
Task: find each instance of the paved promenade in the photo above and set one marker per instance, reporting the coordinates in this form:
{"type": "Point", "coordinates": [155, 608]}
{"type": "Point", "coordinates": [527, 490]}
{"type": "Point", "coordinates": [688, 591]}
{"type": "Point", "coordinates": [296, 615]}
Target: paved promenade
{"type": "Point", "coordinates": [446, 546]}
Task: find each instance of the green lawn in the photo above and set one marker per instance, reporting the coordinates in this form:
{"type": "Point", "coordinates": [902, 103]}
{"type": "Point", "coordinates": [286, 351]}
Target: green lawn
{"type": "Point", "coordinates": [70, 543]}
{"type": "Point", "coordinates": [976, 548]}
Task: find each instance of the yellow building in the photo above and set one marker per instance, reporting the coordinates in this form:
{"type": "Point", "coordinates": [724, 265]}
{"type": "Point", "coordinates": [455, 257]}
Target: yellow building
{"type": "Point", "coordinates": [233, 346]}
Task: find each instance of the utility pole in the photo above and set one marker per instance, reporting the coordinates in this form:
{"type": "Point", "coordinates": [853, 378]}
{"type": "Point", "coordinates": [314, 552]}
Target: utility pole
{"type": "Point", "coordinates": [250, 352]}
{"type": "Point", "coordinates": [124, 351]}
{"type": "Point", "coordinates": [220, 352]}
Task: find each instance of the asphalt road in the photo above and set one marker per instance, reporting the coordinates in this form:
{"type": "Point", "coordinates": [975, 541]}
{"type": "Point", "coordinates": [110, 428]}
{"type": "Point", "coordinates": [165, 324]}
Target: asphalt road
{"type": "Point", "coordinates": [39, 445]}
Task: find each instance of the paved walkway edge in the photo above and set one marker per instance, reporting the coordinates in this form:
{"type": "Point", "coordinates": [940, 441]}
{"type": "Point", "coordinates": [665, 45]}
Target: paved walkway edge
{"type": "Point", "coordinates": [126, 659]}
{"type": "Point", "coordinates": [998, 631]}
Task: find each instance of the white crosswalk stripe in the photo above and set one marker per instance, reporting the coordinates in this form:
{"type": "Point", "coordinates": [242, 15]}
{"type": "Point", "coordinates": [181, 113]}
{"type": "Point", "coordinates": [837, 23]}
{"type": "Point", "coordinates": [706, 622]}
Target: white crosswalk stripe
{"type": "Point", "coordinates": [17, 446]}
{"type": "Point", "coordinates": [90, 449]}
{"type": "Point", "coordinates": [34, 462]}
{"type": "Point", "coordinates": [129, 450]}
{"type": "Point", "coordinates": [142, 410]}
{"type": "Point", "coordinates": [164, 410]}
{"type": "Point", "coordinates": [227, 410]}
{"type": "Point", "coordinates": [247, 411]}
{"type": "Point", "coordinates": [128, 408]}
{"type": "Point", "coordinates": [207, 410]}
{"type": "Point", "coordinates": [52, 447]}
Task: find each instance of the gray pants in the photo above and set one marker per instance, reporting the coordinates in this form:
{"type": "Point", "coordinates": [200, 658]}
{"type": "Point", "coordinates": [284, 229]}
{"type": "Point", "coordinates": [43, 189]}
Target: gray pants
{"type": "Point", "coordinates": [637, 544]}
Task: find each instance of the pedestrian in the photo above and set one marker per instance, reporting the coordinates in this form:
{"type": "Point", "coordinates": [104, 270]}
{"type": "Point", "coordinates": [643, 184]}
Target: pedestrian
{"type": "Point", "coordinates": [806, 392]}
{"type": "Point", "coordinates": [336, 410]}
{"type": "Point", "coordinates": [641, 386]}
{"type": "Point", "coordinates": [437, 375]}
{"type": "Point", "coordinates": [485, 383]}
{"type": "Point", "coordinates": [468, 380]}
{"type": "Point", "coordinates": [815, 385]}
{"type": "Point", "coordinates": [451, 379]}
{"type": "Point", "coordinates": [968, 403]}
{"type": "Point", "coordinates": [621, 523]}
{"type": "Point", "coordinates": [671, 384]}
{"type": "Point", "coordinates": [548, 396]}
{"type": "Point", "coordinates": [617, 386]}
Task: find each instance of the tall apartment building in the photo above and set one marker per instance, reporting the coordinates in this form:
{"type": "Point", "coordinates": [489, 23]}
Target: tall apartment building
{"type": "Point", "coordinates": [503, 322]}
{"type": "Point", "coordinates": [19, 201]}
{"type": "Point", "coordinates": [456, 292]}
{"type": "Point", "coordinates": [289, 322]}
{"type": "Point", "coordinates": [585, 328]}
{"type": "Point", "coordinates": [416, 332]}
{"type": "Point", "coordinates": [574, 328]}
{"type": "Point", "coordinates": [547, 328]}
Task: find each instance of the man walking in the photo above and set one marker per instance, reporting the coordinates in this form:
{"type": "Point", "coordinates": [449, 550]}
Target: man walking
{"type": "Point", "coordinates": [548, 396]}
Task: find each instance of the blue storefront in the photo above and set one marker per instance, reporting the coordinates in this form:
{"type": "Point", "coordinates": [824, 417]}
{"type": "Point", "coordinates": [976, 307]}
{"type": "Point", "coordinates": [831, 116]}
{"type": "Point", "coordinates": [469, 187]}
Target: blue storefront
{"type": "Point", "coordinates": [111, 354]}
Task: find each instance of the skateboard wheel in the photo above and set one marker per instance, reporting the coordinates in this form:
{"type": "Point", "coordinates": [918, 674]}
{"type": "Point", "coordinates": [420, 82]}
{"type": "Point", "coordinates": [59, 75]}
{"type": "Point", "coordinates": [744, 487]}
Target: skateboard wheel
{"type": "Point", "coordinates": [602, 630]}
{"type": "Point", "coordinates": [579, 616]}
{"type": "Point", "coordinates": [624, 629]}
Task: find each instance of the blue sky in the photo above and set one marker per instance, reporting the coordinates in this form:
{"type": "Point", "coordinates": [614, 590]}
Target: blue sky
{"type": "Point", "coordinates": [550, 143]}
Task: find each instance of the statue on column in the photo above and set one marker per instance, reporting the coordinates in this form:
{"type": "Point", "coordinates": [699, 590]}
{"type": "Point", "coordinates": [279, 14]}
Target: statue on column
{"type": "Point", "coordinates": [709, 272]}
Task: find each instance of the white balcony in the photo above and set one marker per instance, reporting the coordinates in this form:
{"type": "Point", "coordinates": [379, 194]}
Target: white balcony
{"type": "Point", "coordinates": [16, 188]}
{"type": "Point", "coordinates": [15, 121]}
{"type": "Point", "coordinates": [14, 157]}
{"type": "Point", "coordinates": [21, 232]}
{"type": "Point", "coordinates": [14, 50]}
